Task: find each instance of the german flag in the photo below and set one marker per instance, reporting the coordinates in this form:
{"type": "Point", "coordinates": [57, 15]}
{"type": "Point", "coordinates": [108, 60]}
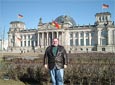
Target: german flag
{"type": "Point", "coordinates": [104, 6]}
{"type": "Point", "coordinates": [55, 24]}
{"type": "Point", "coordinates": [20, 16]}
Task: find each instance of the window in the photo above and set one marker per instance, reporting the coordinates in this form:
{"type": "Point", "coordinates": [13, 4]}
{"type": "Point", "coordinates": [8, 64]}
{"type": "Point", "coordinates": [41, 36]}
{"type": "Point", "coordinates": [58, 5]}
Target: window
{"type": "Point", "coordinates": [103, 49]}
{"type": "Point", "coordinates": [76, 42]}
{"type": "Point", "coordinates": [99, 18]}
{"type": "Point", "coordinates": [21, 43]}
{"type": "Point", "coordinates": [87, 34]}
{"type": "Point", "coordinates": [81, 34]}
{"type": "Point", "coordinates": [71, 35]}
{"type": "Point", "coordinates": [92, 42]}
{"type": "Point", "coordinates": [76, 35]}
{"type": "Point", "coordinates": [82, 42]}
{"type": "Point", "coordinates": [92, 34]}
{"type": "Point", "coordinates": [104, 42]}
{"type": "Point", "coordinates": [86, 49]}
{"type": "Point", "coordinates": [94, 38]}
{"type": "Point", "coordinates": [28, 43]}
{"type": "Point", "coordinates": [87, 42]}
{"type": "Point", "coordinates": [24, 36]}
{"type": "Point", "coordinates": [104, 33]}
{"type": "Point", "coordinates": [106, 18]}
{"type": "Point", "coordinates": [71, 42]}
{"type": "Point", "coordinates": [103, 18]}
{"type": "Point", "coordinates": [24, 43]}
{"type": "Point", "coordinates": [32, 43]}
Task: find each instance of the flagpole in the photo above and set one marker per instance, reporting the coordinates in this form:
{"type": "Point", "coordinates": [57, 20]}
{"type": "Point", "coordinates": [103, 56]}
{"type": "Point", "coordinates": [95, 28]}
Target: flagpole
{"type": "Point", "coordinates": [1, 41]}
{"type": "Point", "coordinates": [17, 18]}
{"type": "Point", "coordinates": [102, 9]}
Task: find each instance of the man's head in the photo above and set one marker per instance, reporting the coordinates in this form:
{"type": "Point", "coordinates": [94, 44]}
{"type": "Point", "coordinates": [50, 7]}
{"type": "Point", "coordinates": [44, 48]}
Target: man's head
{"type": "Point", "coordinates": [55, 42]}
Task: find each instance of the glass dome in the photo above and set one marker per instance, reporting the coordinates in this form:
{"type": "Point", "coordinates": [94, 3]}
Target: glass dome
{"type": "Point", "coordinates": [65, 19]}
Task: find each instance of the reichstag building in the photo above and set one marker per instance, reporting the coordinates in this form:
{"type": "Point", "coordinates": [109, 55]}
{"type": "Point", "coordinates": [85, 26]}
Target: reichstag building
{"type": "Point", "coordinates": [99, 37]}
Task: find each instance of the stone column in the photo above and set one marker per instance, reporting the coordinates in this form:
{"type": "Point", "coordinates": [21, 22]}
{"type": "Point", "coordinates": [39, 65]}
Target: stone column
{"type": "Point", "coordinates": [42, 39]}
{"type": "Point", "coordinates": [60, 37]}
{"type": "Point", "coordinates": [79, 42]}
{"type": "Point", "coordinates": [66, 39]}
{"type": "Point", "coordinates": [15, 38]}
{"type": "Point", "coordinates": [110, 37]}
{"type": "Point", "coordinates": [99, 37]}
{"type": "Point", "coordinates": [84, 38]}
{"type": "Point", "coordinates": [30, 40]}
{"type": "Point", "coordinates": [38, 38]}
{"type": "Point", "coordinates": [73, 38]}
{"type": "Point", "coordinates": [10, 40]}
{"type": "Point", "coordinates": [26, 40]}
{"type": "Point", "coordinates": [90, 38]}
{"type": "Point", "coordinates": [47, 39]}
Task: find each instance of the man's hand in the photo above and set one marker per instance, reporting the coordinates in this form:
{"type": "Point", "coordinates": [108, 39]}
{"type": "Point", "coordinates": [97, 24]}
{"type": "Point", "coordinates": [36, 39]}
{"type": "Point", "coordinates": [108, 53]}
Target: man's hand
{"type": "Point", "coordinates": [46, 66]}
{"type": "Point", "coordinates": [65, 66]}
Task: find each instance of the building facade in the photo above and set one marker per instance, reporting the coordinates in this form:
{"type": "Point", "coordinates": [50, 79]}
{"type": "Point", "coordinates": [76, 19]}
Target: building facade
{"type": "Point", "coordinates": [87, 38]}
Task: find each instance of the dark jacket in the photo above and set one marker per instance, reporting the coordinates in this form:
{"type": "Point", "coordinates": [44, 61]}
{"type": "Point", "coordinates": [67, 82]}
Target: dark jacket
{"type": "Point", "coordinates": [59, 60]}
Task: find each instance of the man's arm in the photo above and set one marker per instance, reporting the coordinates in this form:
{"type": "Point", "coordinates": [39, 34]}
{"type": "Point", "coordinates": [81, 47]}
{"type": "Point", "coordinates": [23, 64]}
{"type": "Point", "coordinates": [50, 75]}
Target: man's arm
{"type": "Point", "coordinates": [45, 62]}
{"type": "Point", "coordinates": [65, 59]}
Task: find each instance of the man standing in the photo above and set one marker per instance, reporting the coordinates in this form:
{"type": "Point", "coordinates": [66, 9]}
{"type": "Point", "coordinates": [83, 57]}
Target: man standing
{"type": "Point", "coordinates": [55, 58]}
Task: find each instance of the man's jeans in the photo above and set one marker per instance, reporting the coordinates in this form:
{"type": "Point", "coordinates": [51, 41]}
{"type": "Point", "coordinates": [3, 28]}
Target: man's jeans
{"type": "Point", "coordinates": [57, 76]}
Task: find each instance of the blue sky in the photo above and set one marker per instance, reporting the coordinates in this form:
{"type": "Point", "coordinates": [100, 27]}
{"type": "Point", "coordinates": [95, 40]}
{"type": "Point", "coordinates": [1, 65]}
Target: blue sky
{"type": "Point", "coordinates": [82, 11]}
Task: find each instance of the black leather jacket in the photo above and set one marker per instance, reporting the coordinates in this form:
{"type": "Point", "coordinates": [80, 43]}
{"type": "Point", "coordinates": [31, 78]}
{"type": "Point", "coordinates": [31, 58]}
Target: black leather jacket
{"type": "Point", "coordinates": [59, 60]}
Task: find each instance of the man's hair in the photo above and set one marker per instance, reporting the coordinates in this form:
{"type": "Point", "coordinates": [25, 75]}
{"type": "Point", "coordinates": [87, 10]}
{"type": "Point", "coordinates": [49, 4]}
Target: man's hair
{"type": "Point", "coordinates": [56, 38]}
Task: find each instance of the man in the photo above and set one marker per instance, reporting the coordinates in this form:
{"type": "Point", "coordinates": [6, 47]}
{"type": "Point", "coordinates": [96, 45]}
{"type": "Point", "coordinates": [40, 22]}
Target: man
{"type": "Point", "coordinates": [55, 58]}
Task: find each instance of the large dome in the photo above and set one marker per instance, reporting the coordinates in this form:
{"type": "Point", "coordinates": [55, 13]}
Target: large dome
{"type": "Point", "coordinates": [65, 19]}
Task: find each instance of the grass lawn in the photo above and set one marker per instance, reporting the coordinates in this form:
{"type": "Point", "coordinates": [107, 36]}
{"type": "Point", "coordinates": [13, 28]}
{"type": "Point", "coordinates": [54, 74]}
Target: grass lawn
{"type": "Point", "coordinates": [10, 82]}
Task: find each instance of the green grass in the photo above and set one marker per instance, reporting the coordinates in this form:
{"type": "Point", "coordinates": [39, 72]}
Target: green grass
{"type": "Point", "coordinates": [8, 82]}
{"type": "Point", "coordinates": [83, 67]}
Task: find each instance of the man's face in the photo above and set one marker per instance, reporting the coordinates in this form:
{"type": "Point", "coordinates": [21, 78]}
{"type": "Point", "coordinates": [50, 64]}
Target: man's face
{"type": "Point", "coordinates": [55, 42]}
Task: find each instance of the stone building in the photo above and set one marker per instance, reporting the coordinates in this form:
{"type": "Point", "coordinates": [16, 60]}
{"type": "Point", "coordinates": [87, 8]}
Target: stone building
{"type": "Point", "coordinates": [87, 38]}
